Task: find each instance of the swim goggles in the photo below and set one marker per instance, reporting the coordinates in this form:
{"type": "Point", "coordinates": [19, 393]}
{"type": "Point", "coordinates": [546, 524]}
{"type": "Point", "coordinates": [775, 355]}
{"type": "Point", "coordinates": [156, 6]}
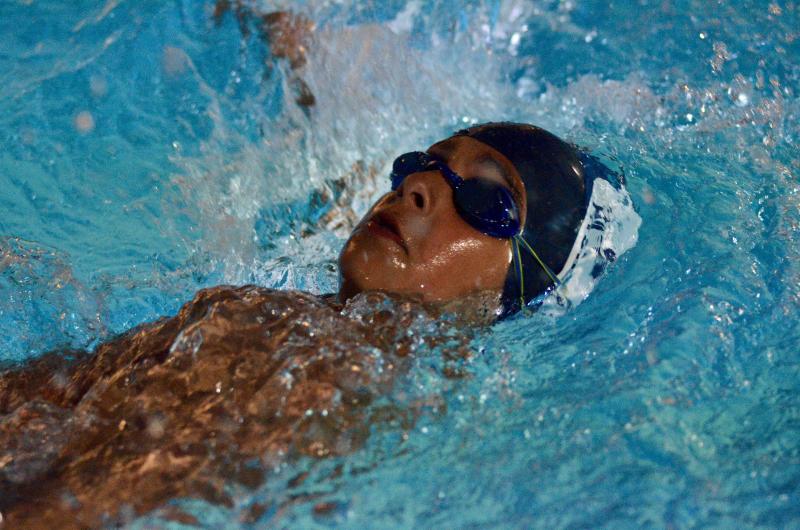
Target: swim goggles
{"type": "Point", "coordinates": [484, 204]}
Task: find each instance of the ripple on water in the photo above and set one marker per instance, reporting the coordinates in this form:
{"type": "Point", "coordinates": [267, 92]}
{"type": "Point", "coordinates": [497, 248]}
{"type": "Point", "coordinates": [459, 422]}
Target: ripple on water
{"type": "Point", "coordinates": [667, 398]}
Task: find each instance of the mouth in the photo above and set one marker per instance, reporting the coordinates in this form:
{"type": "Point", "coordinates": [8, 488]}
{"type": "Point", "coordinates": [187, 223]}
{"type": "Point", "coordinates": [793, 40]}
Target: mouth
{"type": "Point", "coordinates": [385, 226]}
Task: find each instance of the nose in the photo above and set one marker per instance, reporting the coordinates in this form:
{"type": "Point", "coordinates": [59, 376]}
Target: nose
{"type": "Point", "coordinates": [416, 192]}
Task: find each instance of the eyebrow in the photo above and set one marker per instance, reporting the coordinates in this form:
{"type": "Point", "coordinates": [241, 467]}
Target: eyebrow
{"type": "Point", "coordinates": [488, 160]}
{"type": "Point", "coordinates": [444, 151]}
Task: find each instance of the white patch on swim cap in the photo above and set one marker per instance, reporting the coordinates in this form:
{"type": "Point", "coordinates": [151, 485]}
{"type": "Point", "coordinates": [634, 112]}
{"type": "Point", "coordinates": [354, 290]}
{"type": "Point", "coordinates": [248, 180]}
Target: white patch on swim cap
{"type": "Point", "coordinates": [610, 228]}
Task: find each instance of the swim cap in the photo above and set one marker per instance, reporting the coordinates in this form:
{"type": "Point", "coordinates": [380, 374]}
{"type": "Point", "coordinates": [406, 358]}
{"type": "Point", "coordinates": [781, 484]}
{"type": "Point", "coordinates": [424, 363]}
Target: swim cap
{"type": "Point", "coordinates": [556, 205]}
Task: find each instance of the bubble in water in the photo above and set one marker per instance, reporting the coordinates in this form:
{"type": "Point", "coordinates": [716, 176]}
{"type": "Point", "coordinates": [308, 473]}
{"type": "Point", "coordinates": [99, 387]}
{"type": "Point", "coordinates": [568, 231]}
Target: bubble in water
{"type": "Point", "coordinates": [721, 56]}
{"type": "Point", "coordinates": [647, 196]}
{"type": "Point", "coordinates": [27, 135]}
{"type": "Point", "coordinates": [98, 85]}
{"type": "Point", "coordinates": [156, 427]}
{"type": "Point", "coordinates": [84, 122]}
{"type": "Point", "coordinates": [174, 60]}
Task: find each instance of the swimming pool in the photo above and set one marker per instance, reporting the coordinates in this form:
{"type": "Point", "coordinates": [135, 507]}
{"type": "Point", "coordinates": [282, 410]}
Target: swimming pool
{"type": "Point", "coordinates": [148, 153]}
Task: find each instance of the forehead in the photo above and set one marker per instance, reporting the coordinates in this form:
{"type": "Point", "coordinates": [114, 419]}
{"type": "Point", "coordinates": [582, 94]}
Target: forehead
{"type": "Point", "coordinates": [468, 153]}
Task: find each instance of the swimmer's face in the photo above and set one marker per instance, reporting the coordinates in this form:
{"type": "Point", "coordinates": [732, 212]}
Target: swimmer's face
{"type": "Point", "coordinates": [414, 242]}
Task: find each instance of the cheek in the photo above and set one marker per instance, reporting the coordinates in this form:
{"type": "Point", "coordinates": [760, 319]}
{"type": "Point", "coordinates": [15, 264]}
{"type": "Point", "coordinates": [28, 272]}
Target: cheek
{"type": "Point", "coordinates": [469, 264]}
{"type": "Point", "coordinates": [491, 260]}
{"type": "Point", "coordinates": [418, 229]}
{"type": "Point", "coordinates": [461, 251]}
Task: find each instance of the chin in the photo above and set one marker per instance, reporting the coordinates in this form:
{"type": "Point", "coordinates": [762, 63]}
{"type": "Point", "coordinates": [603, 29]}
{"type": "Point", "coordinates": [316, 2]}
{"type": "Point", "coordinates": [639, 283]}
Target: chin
{"type": "Point", "coordinates": [371, 262]}
{"type": "Point", "coordinates": [358, 271]}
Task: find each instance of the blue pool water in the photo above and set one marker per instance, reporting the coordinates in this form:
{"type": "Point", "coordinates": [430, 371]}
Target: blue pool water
{"type": "Point", "coordinates": [147, 152]}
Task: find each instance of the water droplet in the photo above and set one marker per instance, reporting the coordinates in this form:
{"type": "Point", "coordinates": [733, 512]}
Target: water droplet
{"type": "Point", "coordinates": [174, 61]}
{"type": "Point", "coordinates": [84, 122]}
{"type": "Point", "coordinates": [98, 85]}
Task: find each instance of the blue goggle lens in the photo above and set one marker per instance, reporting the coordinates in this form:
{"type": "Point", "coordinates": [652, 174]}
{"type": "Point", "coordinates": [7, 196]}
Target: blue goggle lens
{"type": "Point", "coordinates": [488, 207]}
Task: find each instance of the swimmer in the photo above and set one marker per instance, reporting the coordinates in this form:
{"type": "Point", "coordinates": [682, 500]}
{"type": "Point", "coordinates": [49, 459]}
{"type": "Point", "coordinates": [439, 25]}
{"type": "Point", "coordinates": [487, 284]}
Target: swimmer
{"type": "Point", "coordinates": [500, 203]}
{"type": "Point", "coordinates": [242, 379]}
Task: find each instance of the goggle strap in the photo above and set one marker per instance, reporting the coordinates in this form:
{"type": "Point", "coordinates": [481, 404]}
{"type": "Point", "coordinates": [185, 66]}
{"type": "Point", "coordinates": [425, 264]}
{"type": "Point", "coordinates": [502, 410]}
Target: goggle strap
{"type": "Point", "coordinates": [454, 178]}
{"type": "Point", "coordinates": [549, 272]}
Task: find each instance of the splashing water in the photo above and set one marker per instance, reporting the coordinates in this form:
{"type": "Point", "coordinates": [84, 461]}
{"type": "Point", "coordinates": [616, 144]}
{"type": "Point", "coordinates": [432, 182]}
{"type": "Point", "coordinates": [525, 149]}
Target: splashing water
{"type": "Point", "coordinates": [148, 153]}
{"type": "Point", "coordinates": [241, 381]}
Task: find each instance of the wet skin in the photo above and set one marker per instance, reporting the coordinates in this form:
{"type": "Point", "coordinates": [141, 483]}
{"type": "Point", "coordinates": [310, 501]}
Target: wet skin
{"type": "Point", "coordinates": [207, 402]}
{"type": "Point", "coordinates": [219, 394]}
{"type": "Point", "coordinates": [413, 241]}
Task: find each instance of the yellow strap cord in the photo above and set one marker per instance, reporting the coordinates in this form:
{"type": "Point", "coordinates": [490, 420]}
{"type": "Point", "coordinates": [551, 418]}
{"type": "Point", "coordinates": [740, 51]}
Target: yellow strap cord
{"type": "Point", "coordinates": [556, 281]}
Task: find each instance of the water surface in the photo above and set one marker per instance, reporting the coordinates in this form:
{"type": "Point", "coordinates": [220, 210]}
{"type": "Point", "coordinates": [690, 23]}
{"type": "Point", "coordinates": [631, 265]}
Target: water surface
{"type": "Point", "coordinates": [148, 152]}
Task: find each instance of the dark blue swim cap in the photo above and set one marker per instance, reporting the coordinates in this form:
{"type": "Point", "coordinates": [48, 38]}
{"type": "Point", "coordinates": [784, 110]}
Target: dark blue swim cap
{"type": "Point", "coordinates": [556, 202]}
